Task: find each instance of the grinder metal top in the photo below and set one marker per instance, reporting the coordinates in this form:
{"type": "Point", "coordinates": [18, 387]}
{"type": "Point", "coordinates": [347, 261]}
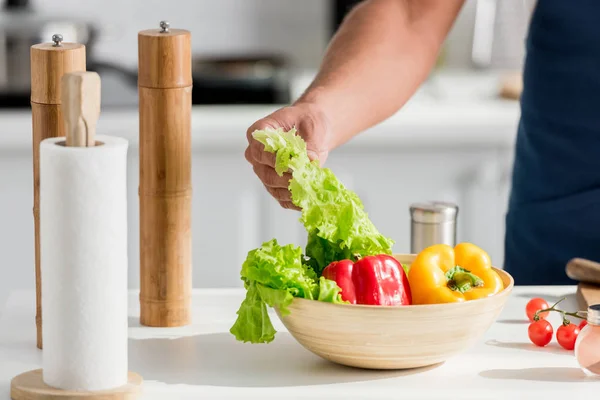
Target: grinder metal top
{"type": "Point", "coordinates": [164, 58]}
{"type": "Point", "coordinates": [49, 62]}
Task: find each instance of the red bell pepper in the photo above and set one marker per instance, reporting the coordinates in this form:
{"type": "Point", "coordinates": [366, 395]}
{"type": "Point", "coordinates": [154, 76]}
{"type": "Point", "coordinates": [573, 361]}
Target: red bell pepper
{"type": "Point", "coordinates": [373, 280]}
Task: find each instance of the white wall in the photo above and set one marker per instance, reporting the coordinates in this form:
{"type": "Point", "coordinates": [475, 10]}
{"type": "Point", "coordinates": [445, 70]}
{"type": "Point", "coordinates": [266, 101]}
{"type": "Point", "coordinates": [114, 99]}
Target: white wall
{"type": "Point", "coordinates": [432, 152]}
{"type": "Point", "coordinates": [298, 28]}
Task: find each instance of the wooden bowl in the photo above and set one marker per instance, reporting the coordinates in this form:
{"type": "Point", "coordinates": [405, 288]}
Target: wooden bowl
{"type": "Point", "coordinates": [383, 337]}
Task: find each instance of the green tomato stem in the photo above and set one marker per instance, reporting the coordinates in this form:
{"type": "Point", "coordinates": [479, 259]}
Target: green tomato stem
{"type": "Point", "coordinates": [564, 314]}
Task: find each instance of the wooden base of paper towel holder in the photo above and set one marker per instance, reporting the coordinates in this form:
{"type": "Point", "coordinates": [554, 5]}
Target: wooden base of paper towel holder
{"type": "Point", "coordinates": [31, 386]}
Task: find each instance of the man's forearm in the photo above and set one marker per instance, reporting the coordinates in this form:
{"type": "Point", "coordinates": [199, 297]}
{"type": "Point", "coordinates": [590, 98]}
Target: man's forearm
{"type": "Point", "coordinates": [376, 61]}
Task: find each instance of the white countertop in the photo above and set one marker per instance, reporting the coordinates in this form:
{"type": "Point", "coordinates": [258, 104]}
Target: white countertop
{"type": "Point", "coordinates": [451, 109]}
{"type": "Point", "coordinates": [204, 361]}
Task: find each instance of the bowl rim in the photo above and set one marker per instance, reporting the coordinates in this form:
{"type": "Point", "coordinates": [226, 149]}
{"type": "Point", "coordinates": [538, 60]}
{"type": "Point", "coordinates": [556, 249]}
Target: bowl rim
{"type": "Point", "coordinates": [504, 292]}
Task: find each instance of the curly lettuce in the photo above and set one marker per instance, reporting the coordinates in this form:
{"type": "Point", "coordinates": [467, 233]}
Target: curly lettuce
{"type": "Point", "coordinates": [338, 228]}
{"type": "Point", "coordinates": [337, 224]}
{"type": "Point", "coordinates": [273, 275]}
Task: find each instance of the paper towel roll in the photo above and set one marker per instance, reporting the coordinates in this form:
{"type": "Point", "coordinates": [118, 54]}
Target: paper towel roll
{"type": "Point", "coordinates": [83, 225]}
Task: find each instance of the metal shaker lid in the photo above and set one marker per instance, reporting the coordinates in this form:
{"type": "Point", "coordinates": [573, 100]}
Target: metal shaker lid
{"type": "Point", "coordinates": [164, 57]}
{"type": "Point", "coordinates": [433, 212]}
{"type": "Point", "coordinates": [49, 62]}
{"type": "Point", "coordinates": [593, 314]}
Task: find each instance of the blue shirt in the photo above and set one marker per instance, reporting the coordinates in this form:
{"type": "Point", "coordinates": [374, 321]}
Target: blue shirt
{"type": "Point", "coordinates": [554, 207]}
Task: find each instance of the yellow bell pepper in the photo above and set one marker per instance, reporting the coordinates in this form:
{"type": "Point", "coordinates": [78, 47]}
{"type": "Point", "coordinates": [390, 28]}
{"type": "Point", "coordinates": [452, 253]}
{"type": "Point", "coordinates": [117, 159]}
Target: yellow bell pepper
{"type": "Point", "coordinates": [442, 274]}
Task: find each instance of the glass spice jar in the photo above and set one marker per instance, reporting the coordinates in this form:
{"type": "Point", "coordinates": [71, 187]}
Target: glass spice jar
{"type": "Point", "coordinates": [587, 346]}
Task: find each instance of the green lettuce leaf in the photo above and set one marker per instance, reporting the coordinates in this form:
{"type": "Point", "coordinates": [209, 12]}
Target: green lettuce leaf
{"type": "Point", "coordinates": [406, 268]}
{"type": "Point", "coordinates": [338, 227]}
{"type": "Point", "coordinates": [329, 291]}
{"type": "Point", "coordinates": [337, 224]}
{"type": "Point", "coordinates": [276, 298]}
{"type": "Point", "coordinates": [281, 267]}
{"type": "Point", "coordinates": [273, 275]}
{"type": "Point", "coordinates": [253, 323]}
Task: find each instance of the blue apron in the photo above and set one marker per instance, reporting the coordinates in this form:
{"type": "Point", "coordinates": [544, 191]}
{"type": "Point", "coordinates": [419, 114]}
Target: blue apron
{"type": "Point", "coordinates": [554, 208]}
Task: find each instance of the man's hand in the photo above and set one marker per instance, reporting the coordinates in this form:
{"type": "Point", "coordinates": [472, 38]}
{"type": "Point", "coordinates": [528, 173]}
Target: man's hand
{"type": "Point", "coordinates": [311, 124]}
{"type": "Point", "coordinates": [377, 59]}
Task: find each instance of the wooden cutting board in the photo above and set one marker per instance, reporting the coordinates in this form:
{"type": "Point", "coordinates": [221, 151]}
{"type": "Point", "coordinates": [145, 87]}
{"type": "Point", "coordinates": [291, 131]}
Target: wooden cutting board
{"type": "Point", "coordinates": [587, 273]}
{"type": "Point", "coordinates": [587, 295]}
{"type": "Point", "coordinates": [511, 86]}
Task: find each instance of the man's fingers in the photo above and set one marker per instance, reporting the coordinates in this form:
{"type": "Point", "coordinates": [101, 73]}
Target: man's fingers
{"type": "Point", "coordinates": [255, 154]}
{"type": "Point", "coordinates": [289, 205]}
{"type": "Point", "coordinates": [259, 155]}
{"type": "Point", "coordinates": [257, 150]}
{"type": "Point", "coordinates": [270, 178]}
{"type": "Point", "coordinates": [280, 194]}
{"type": "Point", "coordinates": [262, 124]}
{"type": "Point", "coordinates": [312, 125]}
{"type": "Point", "coordinates": [283, 118]}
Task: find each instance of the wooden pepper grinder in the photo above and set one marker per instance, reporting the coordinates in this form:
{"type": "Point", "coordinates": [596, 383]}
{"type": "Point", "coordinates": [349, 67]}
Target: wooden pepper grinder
{"type": "Point", "coordinates": [49, 62]}
{"type": "Point", "coordinates": [165, 191]}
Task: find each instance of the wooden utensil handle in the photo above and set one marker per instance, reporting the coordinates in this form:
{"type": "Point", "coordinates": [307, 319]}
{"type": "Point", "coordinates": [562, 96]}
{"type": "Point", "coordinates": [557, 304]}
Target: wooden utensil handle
{"type": "Point", "coordinates": [587, 295]}
{"type": "Point", "coordinates": [81, 107]}
{"type": "Point", "coordinates": [583, 270]}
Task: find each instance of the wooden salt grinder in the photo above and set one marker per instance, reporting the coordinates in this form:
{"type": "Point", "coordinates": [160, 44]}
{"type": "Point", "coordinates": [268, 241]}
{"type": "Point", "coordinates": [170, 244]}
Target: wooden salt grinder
{"type": "Point", "coordinates": [49, 61]}
{"type": "Point", "coordinates": [165, 101]}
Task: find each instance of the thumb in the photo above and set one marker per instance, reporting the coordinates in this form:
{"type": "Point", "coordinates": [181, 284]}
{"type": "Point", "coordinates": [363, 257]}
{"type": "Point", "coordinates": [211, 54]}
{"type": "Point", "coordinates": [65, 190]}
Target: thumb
{"type": "Point", "coordinates": [313, 155]}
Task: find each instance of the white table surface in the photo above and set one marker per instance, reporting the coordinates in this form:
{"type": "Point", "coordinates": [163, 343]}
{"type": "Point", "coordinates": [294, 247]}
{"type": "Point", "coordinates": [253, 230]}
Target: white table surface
{"type": "Point", "coordinates": [203, 360]}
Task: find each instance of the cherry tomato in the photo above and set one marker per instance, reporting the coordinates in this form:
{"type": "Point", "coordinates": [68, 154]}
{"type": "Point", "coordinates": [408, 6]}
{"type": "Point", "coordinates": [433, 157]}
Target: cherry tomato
{"type": "Point", "coordinates": [566, 335]}
{"type": "Point", "coordinates": [534, 305]}
{"type": "Point", "coordinates": [582, 324]}
{"type": "Point", "coordinates": [540, 332]}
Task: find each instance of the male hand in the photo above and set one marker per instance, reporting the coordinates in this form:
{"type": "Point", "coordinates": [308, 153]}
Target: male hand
{"type": "Point", "coordinates": [311, 124]}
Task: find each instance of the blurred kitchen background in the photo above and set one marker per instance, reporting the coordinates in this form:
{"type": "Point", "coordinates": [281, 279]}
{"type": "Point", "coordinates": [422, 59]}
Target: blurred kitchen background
{"type": "Point", "coordinates": [452, 142]}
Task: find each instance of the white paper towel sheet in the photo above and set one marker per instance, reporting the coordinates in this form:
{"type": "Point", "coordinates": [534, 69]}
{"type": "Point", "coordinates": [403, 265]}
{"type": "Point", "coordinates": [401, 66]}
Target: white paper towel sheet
{"type": "Point", "coordinates": [83, 233]}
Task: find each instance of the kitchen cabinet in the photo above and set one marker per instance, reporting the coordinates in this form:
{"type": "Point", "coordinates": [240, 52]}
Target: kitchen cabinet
{"type": "Point", "coordinates": [233, 213]}
{"type": "Point", "coordinates": [17, 268]}
{"type": "Point", "coordinates": [433, 149]}
{"type": "Point", "coordinates": [388, 180]}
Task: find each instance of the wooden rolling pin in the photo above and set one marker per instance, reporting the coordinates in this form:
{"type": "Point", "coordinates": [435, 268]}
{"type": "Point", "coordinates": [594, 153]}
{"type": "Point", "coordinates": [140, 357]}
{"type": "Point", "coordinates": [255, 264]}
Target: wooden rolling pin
{"type": "Point", "coordinates": [587, 273]}
{"type": "Point", "coordinates": [49, 61]}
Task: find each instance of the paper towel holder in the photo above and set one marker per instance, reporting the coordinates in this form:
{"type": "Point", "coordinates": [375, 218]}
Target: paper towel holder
{"type": "Point", "coordinates": [81, 109]}
{"type": "Point", "coordinates": [30, 386]}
